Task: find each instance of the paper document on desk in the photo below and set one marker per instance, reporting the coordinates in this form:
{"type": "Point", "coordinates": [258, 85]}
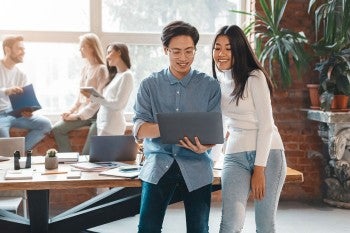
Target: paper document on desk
{"type": "Point", "coordinates": [98, 166]}
{"type": "Point", "coordinates": [68, 157]}
{"type": "Point", "coordinates": [128, 171]}
{"type": "Point", "coordinates": [19, 175]}
{"type": "Point", "coordinates": [4, 158]}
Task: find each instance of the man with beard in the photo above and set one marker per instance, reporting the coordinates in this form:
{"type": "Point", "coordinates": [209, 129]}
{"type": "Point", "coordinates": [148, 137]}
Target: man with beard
{"type": "Point", "coordinates": [12, 80]}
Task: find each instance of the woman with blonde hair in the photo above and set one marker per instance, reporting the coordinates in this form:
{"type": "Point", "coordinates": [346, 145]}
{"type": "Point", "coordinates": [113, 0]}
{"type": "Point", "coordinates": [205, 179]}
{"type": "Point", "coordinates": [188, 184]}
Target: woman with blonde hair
{"type": "Point", "coordinates": [83, 112]}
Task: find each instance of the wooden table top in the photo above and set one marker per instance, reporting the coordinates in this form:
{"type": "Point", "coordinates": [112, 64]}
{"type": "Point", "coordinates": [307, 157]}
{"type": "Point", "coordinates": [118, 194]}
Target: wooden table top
{"type": "Point", "coordinates": [42, 181]}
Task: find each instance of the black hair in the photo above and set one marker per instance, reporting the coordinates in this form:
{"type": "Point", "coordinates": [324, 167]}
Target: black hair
{"type": "Point", "coordinates": [124, 54]}
{"type": "Point", "coordinates": [243, 58]}
{"type": "Point", "coordinates": [179, 28]}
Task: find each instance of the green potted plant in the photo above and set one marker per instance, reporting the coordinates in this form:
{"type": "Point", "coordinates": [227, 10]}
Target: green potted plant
{"type": "Point", "coordinates": [275, 44]}
{"type": "Point", "coordinates": [51, 159]}
{"type": "Point", "coordinates": [332, 46]}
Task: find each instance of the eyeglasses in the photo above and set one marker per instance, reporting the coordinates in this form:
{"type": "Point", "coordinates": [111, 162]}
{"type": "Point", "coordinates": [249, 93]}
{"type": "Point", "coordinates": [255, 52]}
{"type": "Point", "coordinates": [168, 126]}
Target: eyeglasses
{"type": "Point", "coordinates": [177, 53]}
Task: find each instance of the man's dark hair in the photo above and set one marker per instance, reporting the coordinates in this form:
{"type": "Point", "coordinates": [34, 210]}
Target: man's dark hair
{"type": "Point", "coordinates": [179, 28]}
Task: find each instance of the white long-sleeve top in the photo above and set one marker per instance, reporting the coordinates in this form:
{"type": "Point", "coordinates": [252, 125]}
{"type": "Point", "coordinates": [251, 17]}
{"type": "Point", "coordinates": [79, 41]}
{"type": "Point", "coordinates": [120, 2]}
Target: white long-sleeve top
{"type": "Point", "coordinates": [10, 78]}
{"type": "Point", "coordinates": [110, 117]}
{"type": "Point", "coordinates": [250, 124]}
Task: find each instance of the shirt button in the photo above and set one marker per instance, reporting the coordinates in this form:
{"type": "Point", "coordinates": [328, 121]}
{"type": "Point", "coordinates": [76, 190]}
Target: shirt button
{"type": "Point", "coordinates": [174, 154]}
{"type": "Point", "coordinates": [178, 92]}
{"type": "Point", "coordinates": [166, 166]}
{"type": "Point", "coordinates": [177, 109]}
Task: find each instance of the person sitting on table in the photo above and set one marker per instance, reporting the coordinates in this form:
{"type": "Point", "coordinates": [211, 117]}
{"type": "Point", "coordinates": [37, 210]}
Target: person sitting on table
{"type": "Point", "coordinates": [83, 112]}
{"type": "Point", "coordinates": [12, 80]}
{"type": "Point", "coordinates": [110, 116]}
{"type": "Point", "coordinates": [169, 167]}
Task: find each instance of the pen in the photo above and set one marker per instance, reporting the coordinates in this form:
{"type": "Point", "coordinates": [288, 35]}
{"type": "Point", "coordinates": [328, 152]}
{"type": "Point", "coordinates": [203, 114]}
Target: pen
{"type": "Point", "coordinates": [53, 173]}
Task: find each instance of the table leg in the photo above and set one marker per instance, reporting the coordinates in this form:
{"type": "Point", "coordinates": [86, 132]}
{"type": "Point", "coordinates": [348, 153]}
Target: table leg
{"type": "Point", "coordinates": [38, 208]}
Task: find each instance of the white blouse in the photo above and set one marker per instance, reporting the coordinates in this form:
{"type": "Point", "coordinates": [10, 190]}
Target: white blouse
{"type": "Point", "coordinates": [250, 124]}
{"type": "Point", "coordinates": [110, 117]}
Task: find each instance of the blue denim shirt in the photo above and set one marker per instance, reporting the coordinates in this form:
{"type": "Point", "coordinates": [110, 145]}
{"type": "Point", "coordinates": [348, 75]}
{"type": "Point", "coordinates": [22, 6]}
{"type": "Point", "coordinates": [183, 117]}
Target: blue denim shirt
{"type": "Point", "coordinates": [162, 92]}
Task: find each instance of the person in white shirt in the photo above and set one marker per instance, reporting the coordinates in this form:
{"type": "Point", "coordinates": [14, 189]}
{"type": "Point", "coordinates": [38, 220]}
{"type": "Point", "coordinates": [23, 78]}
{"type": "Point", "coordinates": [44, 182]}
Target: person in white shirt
{"type": "Point", "coordinates": [110, 117]}
{"type": "Point", "coordinates": [83, 112]}
{"type": "Point", "coordinates": [12, 80]}
{"type": "Point", "coordinates": [254, 159]}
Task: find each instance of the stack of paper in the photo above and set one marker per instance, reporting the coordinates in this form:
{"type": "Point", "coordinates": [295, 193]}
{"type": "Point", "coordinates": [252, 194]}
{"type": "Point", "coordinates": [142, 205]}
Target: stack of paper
{"type": "Point", "coordinates": [129, 171]}
{"type": "Point", "coordinates": [68, 157]}
{"type": "Point", "coordinates": [19, 175]}
{"type": "Point", "coordinates": [98, 166]}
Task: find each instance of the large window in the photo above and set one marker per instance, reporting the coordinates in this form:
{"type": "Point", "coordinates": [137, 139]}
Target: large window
{"type": "Point", "coordinates": [51, 29]}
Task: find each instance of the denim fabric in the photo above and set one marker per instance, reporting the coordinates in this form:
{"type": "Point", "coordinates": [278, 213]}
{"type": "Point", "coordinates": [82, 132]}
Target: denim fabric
{"type": "Point", "coordinates": [236, 177]}
{"type": "Point", "coordinates": [155, 199]}
{"type": "Point", "coordinates": [162, 92]}
{"type": "Point", "coordinates": [38, 126]}
{"type": "Point", "coordinates": [61, 132]}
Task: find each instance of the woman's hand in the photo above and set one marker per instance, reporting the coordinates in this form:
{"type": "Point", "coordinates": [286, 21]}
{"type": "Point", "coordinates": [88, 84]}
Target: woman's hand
{"type": "Point", "coordinates": [85, 93]}
{"type": "Point", "coordinates": [198, 147]}
{"type": "Point", "coordinates": [258, 183]}
{"type": "Point", "coordinates": [71, 117]}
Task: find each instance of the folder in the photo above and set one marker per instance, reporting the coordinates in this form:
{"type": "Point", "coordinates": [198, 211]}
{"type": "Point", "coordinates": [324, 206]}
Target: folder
{"type": "Point", "coordinates": [26, 101]}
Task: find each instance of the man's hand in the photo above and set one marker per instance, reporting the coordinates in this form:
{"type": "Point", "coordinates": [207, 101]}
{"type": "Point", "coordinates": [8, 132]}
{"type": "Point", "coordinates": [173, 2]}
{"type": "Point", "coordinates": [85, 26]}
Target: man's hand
{"type": "Point", "coordinates": [198, 147]}
{"type": "Point", "coordinates": [13, 90]}
{"type": "Point", "coordinates": [26, 113]}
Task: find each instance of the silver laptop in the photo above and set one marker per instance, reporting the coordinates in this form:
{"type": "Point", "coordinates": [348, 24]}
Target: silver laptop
{"type": "Point", "coordinates": [9, 145]}
{"type": "Point", "coordinates": [113, 148]}
{"type": "Point", "coordinates": [207, 126]}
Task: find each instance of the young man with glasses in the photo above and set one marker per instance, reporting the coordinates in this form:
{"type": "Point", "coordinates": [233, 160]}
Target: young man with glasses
{"type": "Point", "coordinates": [185, 167]}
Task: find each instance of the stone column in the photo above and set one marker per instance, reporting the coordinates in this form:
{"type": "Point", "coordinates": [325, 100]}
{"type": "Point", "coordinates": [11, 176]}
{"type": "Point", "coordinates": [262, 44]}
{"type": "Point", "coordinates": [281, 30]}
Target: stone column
{"type": "Point", "coordinates": [334, 129]}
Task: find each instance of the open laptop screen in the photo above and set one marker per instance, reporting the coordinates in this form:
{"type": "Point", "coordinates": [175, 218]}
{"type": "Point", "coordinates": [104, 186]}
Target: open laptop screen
{"type": "Point", "coordinates": [9, 145]}
{"type": "Point", "coordinates": [113, 148]}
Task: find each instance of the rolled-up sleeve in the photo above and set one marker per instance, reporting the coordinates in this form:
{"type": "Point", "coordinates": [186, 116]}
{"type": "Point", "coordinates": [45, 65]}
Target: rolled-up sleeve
{"type": "Point", "coordinates": [142, 108]}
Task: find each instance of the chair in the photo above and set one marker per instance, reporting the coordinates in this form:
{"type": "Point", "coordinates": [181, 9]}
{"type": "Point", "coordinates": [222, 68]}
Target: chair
{"type": "Point", "coordinates": [11, 199]}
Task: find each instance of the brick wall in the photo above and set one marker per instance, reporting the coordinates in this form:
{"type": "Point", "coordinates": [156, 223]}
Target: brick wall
{"type": "Point", "coordinates": [298, 133]}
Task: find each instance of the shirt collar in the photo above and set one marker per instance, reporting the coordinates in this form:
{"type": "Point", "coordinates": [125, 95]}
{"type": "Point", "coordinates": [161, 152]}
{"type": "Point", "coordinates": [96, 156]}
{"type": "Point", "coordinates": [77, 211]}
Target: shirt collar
{"type": "Point", "coordinates": [184, 82]}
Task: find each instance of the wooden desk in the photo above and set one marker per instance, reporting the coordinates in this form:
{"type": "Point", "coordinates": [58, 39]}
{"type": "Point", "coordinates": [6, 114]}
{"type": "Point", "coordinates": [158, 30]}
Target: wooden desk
{"type": "Point", "coordinates": [117, 203]}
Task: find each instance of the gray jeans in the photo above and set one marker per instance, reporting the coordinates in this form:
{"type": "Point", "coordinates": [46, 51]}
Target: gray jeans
{"type": "Point", "coordinates": [235, 179]}
{"type": "Point", "coordinates": [62, 128]}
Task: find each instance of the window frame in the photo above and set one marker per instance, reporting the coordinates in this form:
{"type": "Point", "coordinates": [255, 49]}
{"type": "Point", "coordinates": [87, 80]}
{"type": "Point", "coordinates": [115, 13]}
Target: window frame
{"type": "Point", "coordinates": [105, 37]}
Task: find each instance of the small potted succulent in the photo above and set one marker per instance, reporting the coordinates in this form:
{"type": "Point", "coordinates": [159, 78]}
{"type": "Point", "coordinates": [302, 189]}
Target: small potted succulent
{"type": "Point", "coordinates": [51, 160]}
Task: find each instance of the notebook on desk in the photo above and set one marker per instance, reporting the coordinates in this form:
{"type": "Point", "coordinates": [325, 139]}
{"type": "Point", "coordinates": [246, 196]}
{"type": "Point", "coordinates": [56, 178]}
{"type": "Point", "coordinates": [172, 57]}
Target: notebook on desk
{"type": "Point", "coordinates": [207, 126]}
{"type": "Point", "coordinates": [9, 145]}
{"type": "Point", "coordinates": [113, 148]}
{"type": "Point", "coordinates": [67, 157]}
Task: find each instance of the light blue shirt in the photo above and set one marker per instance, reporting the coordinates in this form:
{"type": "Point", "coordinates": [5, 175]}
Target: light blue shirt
{"type": "Point", "coordinates": [162, 92]}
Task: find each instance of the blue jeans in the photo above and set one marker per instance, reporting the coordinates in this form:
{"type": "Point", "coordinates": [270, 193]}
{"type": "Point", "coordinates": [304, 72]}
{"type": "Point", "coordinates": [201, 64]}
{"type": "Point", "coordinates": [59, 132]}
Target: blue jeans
{"type": "Point", "coordinates": [37, 126]}
{"type": "Point", "coordinates": [235, 179]}
{"type": "Point", "coordinates": [155, 200]}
